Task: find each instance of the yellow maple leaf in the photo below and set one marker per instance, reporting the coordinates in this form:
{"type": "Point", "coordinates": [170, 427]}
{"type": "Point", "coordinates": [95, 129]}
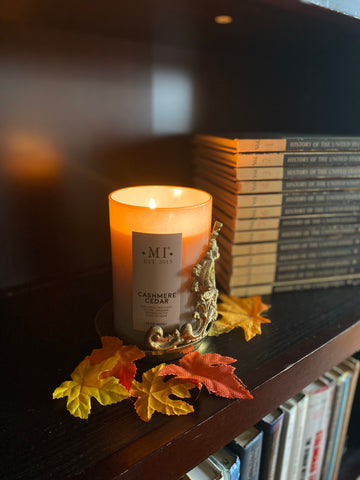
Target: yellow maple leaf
{"type": "Point", "coordinates": [153, 394]}
{"type": "Point", "coordinates": [240, 312]}
{"type": "Point", "coordinates": [86, 383]}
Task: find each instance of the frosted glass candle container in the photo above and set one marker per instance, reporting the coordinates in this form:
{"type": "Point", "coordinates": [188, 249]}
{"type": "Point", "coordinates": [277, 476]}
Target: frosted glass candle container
{"type": "Point", "coordinates": [158, 234]}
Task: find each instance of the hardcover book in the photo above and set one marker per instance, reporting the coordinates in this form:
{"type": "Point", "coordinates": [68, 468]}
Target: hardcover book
{"type": "Point", "coordinates": [290, 286]}
{"type": "Point", "coordinates": [341, 379]}
{"type": "Point", "coordinates": [271, 426]}
{"type": "Point", "coordinates": [248, 446]}
{"type": "Point", "coordinates": [232, 160]}
{"type": "Point", "coordinates": [273, 274]}
{"type": "Point", "coordinates": [299, 255]}
{"type": "Point", "coordinates": [286, 440]}
{"type": "Point", "coordinates": [278, 143]}
{"type": "Point", "coordinates": [352, 365]}
{"type": "Point", "coordinates": [319, 393]}
{"type": "Point", "coordinates": [290, 247]}
{"type": "Point", "coordinates": [228, 462]}
{"type": "Point", "coordinates": [301, 402]}
{"type": "Point", "coordinates": [206, 470]}
{"type": "Point", "coordinates": [292, 172]}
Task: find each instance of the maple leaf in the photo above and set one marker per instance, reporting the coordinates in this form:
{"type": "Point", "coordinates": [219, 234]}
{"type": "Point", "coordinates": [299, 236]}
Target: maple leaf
{"type": "Point", "coordinates": [125, 368]}
{"type": "Point", "coordinates": [87, 383]}
{"type": "Point", "coordinates": [153, 394]}
{"type": "Point", "coordinates": [213, 371]}
{"type": "Point", "coordinates": [240, 312]}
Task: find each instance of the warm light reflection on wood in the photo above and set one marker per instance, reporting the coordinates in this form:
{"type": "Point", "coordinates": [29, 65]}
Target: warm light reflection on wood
{"type": "Point", "coordinates": [30, 157]}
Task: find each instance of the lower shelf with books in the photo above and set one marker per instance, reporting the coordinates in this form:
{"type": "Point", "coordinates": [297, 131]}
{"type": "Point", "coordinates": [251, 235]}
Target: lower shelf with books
{"type": "Point", "coordinates": [303, 439]}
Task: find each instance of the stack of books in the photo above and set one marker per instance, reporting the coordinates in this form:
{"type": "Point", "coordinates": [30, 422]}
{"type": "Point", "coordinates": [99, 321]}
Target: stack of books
{"type": "Point", "coordinates": [302, 439]}
{"type": "Point", "coordinates": [290, 209]}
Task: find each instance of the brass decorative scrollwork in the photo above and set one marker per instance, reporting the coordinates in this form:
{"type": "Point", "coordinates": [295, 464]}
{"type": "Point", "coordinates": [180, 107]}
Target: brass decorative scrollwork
{"type": "Point", "coordinates": [205, 311]}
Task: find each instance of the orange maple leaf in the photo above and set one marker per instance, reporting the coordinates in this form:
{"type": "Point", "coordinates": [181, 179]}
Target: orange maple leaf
{"type": "Point", "coordinates": [212, 370]}
{"type": "Point", "coordinates": [125, 368]}
{"type": "Point", "coordinates": [153, 394]}
{"type": "Point", "coordinates": [240, 312]}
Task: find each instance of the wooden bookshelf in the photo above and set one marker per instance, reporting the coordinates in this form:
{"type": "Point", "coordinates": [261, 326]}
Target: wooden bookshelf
{"type": "Point", "coordinates": [80, 87]}
{"type": "Point", "coordinates": [50, 328]}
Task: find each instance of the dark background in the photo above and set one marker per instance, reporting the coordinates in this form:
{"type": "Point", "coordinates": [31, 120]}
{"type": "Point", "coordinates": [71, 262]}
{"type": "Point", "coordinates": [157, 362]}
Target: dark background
{"type": "Point", "coordinates": [96, 97]}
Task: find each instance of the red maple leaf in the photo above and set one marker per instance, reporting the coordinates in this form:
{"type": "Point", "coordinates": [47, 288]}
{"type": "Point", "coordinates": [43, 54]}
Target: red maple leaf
{"type": "Point", "coordinates": [213, 371]}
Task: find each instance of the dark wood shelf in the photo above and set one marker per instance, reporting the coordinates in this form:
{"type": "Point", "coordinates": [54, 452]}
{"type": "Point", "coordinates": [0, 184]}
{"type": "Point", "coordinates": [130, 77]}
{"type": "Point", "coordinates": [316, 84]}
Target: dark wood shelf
{"type": "Point", "coordinates": [78, 81]}
{"type": "Point", "coordinates": [48, 329]}
{"type": "Point", "coordinates": [177, 23]}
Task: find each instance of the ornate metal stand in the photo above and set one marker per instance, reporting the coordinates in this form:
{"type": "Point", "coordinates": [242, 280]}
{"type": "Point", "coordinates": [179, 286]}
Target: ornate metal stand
{"type": "Point", "coordinates": [205, 312]}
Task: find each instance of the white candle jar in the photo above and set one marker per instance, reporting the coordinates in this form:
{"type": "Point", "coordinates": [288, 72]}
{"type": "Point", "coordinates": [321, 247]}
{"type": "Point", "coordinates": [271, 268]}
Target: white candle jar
{"type": "Point", "coordinates": [158, 234]}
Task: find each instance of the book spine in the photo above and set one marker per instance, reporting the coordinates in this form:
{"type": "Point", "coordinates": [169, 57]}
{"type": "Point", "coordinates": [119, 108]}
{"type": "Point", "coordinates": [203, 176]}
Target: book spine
{"type": "Point", "coordinates": [306, 144]}
{"type": "Point", "coordinates": [321, 159]}
{"type": "Point", "coordinates": [347, 280]}
{"type": "Point", "coordinates": [268, 209]}
{"type": "Point", "coordinates": [268, 289]}
{"type": "Point", "coordinates": [277, 159]}
{"type": "Point", "coordinates": [253, 277]}
{"type": "Point", "coordinates": [314, 225]}
{"type": "Point", "coordinates": [283, 223]}
{"type": "Point", "coordinates": [286, 441]}
{"type": "Point", "coordinates": [297, 199]}
{"type": "Point", "coordinates": [267, 180]}
{"type": "Point", "coordinates": [319, 220]}
{"type": "Point", "coordinates": [271, 235]}
{"type": "Point", "coordinates": [302, 404]}
{"type": "Point", "coordinates": [250, 457]}
{"type": "Point", "coordinates": [296, 173]}
{"type": "Point", "coordinates": [277, 211]}
{"type": "Point", "coordinates": [329, 143]}
{"type": "Point", "coordinates": [227, 462]}
{"type": "Point", "coordinates": [305, 256]}
{"type": "Point", "coordinates": [341, 394]}
{"type": "Point", "coordinates": [321, 436]}
{"type": "Point", "coordinates": [354, 366]}
{"type": "Point", "coordinates": [320, 197]}
{"type": "Point", "coordinates": [314, 433]}
{"type": "Point", "coordinates": [294, 268]}
{"type": "Point", "coordinates": [326, 184]}
{"type": "Point", "coordinates": [327, 209]}
{"type": "Point", "coordinates": [270, 447]}
{"type": "Point", "coordinates": [245, 187]}
{"type": "Point", "coordinates": [289, 247]}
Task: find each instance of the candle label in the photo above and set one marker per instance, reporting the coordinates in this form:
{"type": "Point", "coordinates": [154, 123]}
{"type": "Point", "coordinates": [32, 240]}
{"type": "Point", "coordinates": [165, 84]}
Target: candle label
{"type": "Point", "coordinates": [156, 279]}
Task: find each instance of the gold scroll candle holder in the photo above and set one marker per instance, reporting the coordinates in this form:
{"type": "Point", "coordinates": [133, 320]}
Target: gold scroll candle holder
{"type": "Point", "coordinates": [205, 312]}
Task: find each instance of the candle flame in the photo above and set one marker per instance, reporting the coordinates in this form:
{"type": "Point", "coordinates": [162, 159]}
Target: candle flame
{"type": "Point", "coordinates": [177, 192]}
{"type": "Point", "coordinates": [152, 203]}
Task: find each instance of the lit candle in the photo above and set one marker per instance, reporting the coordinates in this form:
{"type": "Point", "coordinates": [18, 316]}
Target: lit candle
{"type": "Point", "coordinates": [158, 234]}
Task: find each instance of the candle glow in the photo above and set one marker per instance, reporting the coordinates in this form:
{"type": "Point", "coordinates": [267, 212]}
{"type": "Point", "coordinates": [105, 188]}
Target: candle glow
{"type": "Point", "coordinates": [158, 234]}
